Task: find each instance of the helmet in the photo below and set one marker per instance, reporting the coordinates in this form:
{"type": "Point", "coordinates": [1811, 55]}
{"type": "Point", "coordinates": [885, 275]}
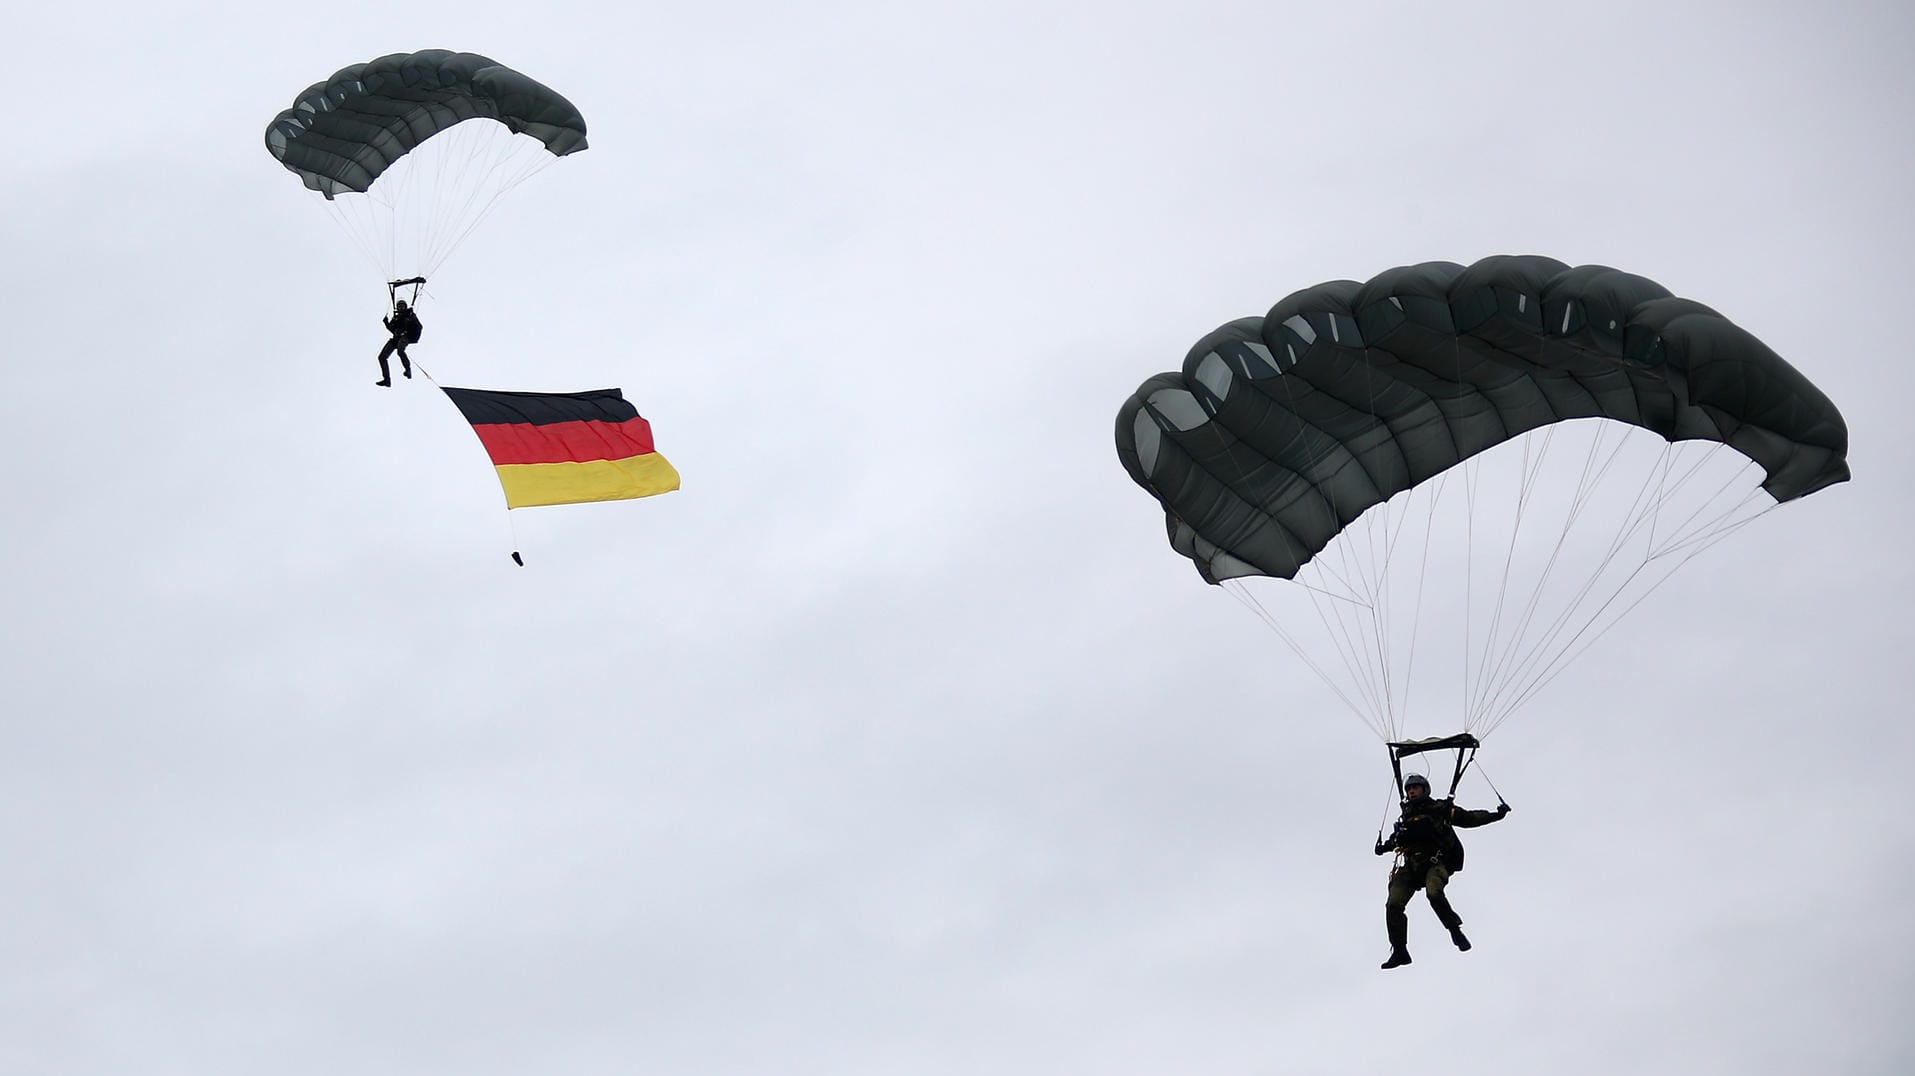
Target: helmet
{"type": "Point", "coordinates": [1416, 779]}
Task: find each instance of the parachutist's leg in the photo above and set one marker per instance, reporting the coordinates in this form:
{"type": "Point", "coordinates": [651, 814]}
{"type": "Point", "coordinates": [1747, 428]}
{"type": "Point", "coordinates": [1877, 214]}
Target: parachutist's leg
{"type": "Point", "coordinates": [1395, 922]}
{"type": "Point", "coordinates": [385, 371]}
{"type": "Point", "coordinates": [405, 362]}
{"type": "Point", "coordinates": [1435, 885]}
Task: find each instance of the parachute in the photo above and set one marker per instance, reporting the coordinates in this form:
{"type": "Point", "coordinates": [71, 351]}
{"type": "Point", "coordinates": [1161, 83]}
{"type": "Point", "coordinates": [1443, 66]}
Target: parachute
{"type": "Point", "coordinates": [387, 146]}
{"type": "Point", "coordinates": [346, 138]}
{"type": "Point", "coordinates": [1387, 449]}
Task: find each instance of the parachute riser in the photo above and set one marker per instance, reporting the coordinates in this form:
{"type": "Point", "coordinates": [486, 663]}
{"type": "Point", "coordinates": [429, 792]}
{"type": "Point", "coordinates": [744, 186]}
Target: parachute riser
{"type": "Point", "coordinates": [1464, 744]}
{"type": "Point", "coordinates": [393, 286]}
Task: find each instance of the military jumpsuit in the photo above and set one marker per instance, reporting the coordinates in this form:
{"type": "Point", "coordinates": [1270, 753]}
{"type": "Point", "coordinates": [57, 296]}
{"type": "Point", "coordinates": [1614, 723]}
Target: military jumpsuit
{"type": "Point", "coordinates": [1425, 840]}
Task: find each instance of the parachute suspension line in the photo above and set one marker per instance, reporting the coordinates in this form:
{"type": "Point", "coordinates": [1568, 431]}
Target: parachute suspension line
{"type": "Point", "coordinates": [1680, 535]}
{"type": "Point", "coordinates": [1380, 620]}
{"type": "Point", "coordinates": [1566, 657]}
{"type": "Point", "coordinates": [1720, 528]}
{"type": "Point", "coordinates": [1342, 623]}
{"type": "Point", "coordinates": [1383, 527]}
{"type": "Point", "coordinates": [486, 209]}
{"type": "Point", "coordinates": [512, 526]}
{"type": "Point", "coordinates": [1483, 660]}
{"type": "Point", "coordinates": [1415, 500]}
{"type": "Point", "coordinates": [1469, 469]}
{"type": "Point", "coordinates": [1492, 785]}
{"type": "Point", "coordinates": [1591, 478]}
{"type": "Point", "coordinates": [1472, 483]}
{"type": "Point", "coordinates": [1323, 565]}
{"type": "Point", "coordinates": [1662, 482]}
{"type": "Point", "coordinates": [351, 216]}
{"type": "Point", "coordinates": [1390, 805]}
{"type": "Point", "coordinates": [1422, 576]}
{"type": "Point", "coordinates": [1589, 632]}
{"type": "Point", "coordinates": [1532, 465]}
{"type": "Point", "coordinates": [1242, 594]}
{"type": "Point", "coordinates": [1344, 596]}
{"type": "Point", "coordinates": [1331, 623]}
{"type": "Point", "coordinates": [390, 196]}
{"type": "Point", "coordinates": [1505, 666]}
{"type": "Point", "coordinates": [1387, 525]}
{"type": "Point", "coordinates": [1336, 628]}
{"type": "Point", "coordinates": [423, 208]}
{"type": "Point", "coordinates": [468, 143]}
{"type": "Point", "coordinates": [1632, 521]}
{"type": "Point", "coordinates": [509, 162]}
{"type": "Point", "coordinates": [1469, 582]}
{"type": "Point", "coordinates": [456, 181]}
{"type": "Point", "coordinates": [369, 220]}
{"type": "Point", "coordinates": [1337, 621]}
{"type": "Point", "coordinates": [422, 196]}
{"type": "Point", "coordinates": [1356, 655]}
{"type": "Point", "coordinates": [1388, 531]}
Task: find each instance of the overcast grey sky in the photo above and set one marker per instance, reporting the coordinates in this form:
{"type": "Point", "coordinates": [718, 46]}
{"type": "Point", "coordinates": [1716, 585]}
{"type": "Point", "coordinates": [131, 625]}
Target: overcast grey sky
{"type": "Point", "coordinates": [899, 741]}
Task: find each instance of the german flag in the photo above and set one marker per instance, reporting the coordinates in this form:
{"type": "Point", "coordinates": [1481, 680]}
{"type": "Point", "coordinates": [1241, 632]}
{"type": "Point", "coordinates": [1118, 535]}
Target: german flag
{"type": "Point", "coordinates": [566, 447]}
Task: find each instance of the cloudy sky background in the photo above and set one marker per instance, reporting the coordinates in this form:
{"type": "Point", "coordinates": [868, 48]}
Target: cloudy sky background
{"type": "Point", "coordinates": [899, 741]}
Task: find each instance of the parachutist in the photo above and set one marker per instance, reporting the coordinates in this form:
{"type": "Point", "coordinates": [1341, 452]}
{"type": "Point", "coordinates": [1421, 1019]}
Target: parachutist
{"type": "Point", "coordinates": [1428, 851]}
{"type": "Point", "coordinates": [405, 328]}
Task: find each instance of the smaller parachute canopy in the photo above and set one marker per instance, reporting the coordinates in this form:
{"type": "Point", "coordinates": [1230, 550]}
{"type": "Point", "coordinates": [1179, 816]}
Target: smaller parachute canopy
{"type": "Point", "coordinates": [340, 135]}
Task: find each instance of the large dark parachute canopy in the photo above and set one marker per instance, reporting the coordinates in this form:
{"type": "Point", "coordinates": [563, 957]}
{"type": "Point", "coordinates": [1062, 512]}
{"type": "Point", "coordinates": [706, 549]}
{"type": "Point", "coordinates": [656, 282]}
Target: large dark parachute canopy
{"type": "Point", "coordinates": [1280, 431]}
{"type": "Point", "coordinates": [341, 134]}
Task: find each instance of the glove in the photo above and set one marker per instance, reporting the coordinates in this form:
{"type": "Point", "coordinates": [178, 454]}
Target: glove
{"type": "Point", "coordinates": [1380, 849]}
{"type": "Point", "coordinates": [1502, 809]}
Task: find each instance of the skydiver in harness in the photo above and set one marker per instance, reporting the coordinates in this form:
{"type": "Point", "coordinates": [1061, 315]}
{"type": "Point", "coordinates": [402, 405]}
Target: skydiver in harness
{"type": "Point", "coordinates": [403, 327]}
{"type": "Point", "coordinates": [1428, 852]}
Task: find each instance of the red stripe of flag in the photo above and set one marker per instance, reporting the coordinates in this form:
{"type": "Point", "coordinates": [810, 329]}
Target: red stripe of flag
{"type": "Point", "coordinates": [563, 442]}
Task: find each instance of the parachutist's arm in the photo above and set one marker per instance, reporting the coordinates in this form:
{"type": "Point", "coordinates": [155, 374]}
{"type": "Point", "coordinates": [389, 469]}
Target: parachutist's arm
{"type": "Point", "coordinates": [1463, 819]}
{"type": "Point", "coordinates": [1385, 845]}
